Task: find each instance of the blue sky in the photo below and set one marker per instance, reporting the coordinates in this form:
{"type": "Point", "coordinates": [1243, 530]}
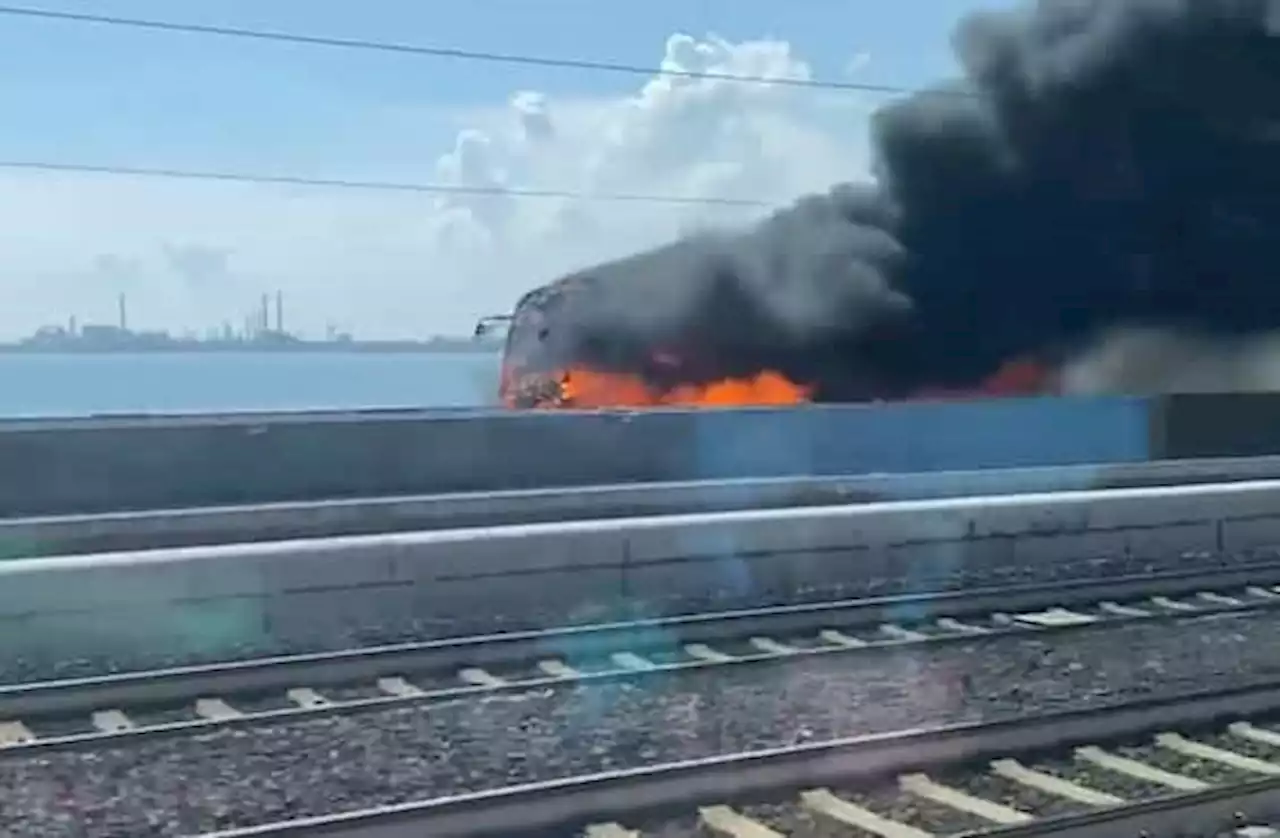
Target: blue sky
{"type": "Point", "coordinates": [386, 263]}
{"type": "Point", "coordinates": [75, 92]}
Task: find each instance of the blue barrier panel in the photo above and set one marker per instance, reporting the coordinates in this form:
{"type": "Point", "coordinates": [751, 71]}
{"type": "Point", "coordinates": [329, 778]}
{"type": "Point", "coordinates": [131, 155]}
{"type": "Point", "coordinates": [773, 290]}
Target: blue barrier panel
{"type": "Point", "coordinates": [84, 466]}
{"type": "Point", "coordinates": [920, 437]}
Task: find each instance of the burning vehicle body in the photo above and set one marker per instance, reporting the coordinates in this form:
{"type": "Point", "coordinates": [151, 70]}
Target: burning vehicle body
{"type": "Point", "coordinates": [1102, 167]}
{"type": "Point", "coordinates": [551, 362]}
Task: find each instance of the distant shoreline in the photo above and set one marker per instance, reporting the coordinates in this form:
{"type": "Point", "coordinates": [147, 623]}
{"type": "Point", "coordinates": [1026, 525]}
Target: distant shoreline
{"type": "Point", "coordinates": [330, 348]}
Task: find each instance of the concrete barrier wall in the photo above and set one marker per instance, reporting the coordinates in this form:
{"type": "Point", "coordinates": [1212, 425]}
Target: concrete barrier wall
{"type": "Point", "coordinates": [63, 535]}
{"type": "Point", "coordinates": [1216, 425]}
{"type": "Point", "coordinates": [216, 601]}
{"type": "Point", "coordinates": [100, 465]}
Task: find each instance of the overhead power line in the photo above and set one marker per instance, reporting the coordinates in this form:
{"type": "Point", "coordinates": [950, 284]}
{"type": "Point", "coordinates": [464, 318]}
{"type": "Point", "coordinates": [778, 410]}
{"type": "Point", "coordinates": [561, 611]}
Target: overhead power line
{"type": "Point", "coordinates": [370, 185]}
{"type": "Point", "coordinates": [435, 52]}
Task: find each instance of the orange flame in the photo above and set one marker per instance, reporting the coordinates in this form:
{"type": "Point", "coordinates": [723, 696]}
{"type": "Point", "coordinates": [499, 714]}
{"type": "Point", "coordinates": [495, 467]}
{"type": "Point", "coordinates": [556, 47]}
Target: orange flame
{"type": "Point", "coordinates": [587, 388]}
{"type": "Point", "coordinates": [1019, 377]}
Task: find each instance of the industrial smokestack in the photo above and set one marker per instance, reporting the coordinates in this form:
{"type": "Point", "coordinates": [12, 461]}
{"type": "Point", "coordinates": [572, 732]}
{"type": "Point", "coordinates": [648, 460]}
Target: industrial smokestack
{"type": "Point", "coordinates": [1102, 165]}
{"type": "Point", "coordinates": [280, 312]}
{"type": "Point", "coordinates": [122, 312]}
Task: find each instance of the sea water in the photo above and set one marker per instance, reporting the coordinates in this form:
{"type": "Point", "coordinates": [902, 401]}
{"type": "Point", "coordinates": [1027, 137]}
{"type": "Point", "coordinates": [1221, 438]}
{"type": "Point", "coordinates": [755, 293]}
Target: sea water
{"type": "Point", "coordinates": [201, 382]}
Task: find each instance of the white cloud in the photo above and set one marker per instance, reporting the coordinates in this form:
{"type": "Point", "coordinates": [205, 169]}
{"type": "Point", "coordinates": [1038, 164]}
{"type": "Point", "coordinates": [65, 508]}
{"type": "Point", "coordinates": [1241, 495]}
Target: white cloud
{"type": "Point", "coordinates": [195, 254]}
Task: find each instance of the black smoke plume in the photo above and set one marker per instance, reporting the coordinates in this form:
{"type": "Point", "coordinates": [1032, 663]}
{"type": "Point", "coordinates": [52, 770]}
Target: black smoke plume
{"type": "Point", "coordinates": [1102, 164]}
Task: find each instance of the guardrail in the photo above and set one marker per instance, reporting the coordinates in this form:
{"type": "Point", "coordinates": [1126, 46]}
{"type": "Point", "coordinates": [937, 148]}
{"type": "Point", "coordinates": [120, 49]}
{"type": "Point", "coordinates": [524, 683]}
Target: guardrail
{"type": "Point", "coordinates": [63, 535]}
{"type": "Point", "coordinates": [102, 464]}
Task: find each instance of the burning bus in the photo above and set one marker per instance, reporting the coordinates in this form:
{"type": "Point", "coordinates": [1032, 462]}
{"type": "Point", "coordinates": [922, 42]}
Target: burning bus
{"type": "Point", "coordinates": [550, 362]}
{"type": "Point", "coordinates": [538, 374]}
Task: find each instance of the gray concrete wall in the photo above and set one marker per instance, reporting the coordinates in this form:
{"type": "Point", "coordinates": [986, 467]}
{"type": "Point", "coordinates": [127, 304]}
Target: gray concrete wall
{"type": "Point", "coordinates": [98, 465]}
{"type": "Point", "coordinates": [1217, 425]}
{"type": "Point", "coordinates": [216, 601]}
{"type": "Point", "coordinates": [63, 535]}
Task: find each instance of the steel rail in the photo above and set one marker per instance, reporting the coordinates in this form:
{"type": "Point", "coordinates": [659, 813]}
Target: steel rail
{"type": "Point", "coordinates": [568, 803]}
{"type": "Point", "coordinates": [154, 688]}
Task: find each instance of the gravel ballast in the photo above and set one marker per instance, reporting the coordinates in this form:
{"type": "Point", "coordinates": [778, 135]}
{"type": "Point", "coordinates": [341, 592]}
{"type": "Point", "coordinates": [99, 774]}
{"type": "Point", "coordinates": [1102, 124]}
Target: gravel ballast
{"type": "Point", "coordinates": [211, 632]}
{"type": "Point", "coordinates": [247, 776]}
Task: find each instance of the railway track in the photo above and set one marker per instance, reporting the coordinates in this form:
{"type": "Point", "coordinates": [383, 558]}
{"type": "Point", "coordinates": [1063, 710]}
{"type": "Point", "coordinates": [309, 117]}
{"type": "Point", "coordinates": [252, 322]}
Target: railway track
{"type": "Point", "coordinates": [89, 712]}
{"type": "Point", "coordinates": [1203, 764]}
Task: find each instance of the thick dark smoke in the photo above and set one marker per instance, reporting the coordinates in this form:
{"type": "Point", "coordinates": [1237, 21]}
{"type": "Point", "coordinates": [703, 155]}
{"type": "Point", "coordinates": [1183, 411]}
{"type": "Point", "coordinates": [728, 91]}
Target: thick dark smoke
{"type": "Point", "coordinates": [1103, 164]}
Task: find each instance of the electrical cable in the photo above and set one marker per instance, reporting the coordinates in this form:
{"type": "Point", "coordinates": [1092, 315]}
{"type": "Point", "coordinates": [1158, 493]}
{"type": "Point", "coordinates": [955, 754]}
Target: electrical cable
{"type": "Point", "coordinates": [279, 36]}
{"type": "Point", "coordinates": [371, 185]}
